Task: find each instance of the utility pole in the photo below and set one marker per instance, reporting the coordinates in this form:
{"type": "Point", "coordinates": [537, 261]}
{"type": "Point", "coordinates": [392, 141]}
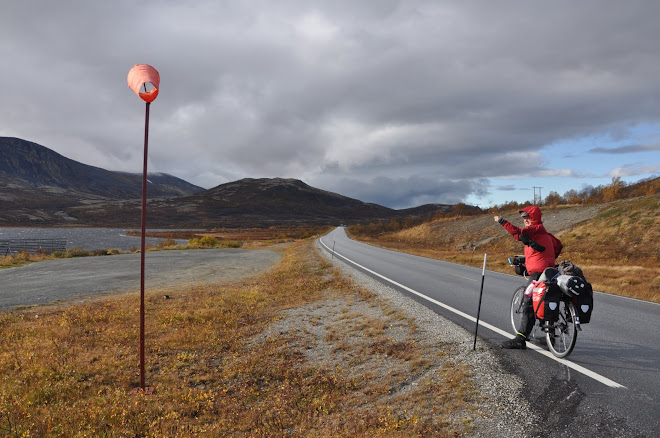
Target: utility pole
{"type": "Point", "coordinates": [540, 197]}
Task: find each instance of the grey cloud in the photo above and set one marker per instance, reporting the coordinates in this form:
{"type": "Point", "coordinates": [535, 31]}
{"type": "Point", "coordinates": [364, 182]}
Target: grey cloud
{"type": "Point", "coordinates": [404, 192]}
{"type": "Point", "coordinates": [628, 149]}
{"type": "Point", "coordinates": [434, 97]}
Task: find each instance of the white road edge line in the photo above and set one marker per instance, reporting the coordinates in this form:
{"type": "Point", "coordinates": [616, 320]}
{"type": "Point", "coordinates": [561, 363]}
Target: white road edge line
{"type": "Point", "coordinates": [576, 367]}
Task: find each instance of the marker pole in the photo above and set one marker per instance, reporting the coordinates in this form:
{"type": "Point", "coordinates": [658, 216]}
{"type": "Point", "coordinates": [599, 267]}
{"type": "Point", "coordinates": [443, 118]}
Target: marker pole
{"type": "Point", "coordinates": [481, 293]}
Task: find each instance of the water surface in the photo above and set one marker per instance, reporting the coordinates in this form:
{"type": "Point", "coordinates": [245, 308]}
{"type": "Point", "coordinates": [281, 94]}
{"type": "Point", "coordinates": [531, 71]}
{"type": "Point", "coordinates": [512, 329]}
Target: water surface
{"type": "Point", "coordinates": [85, 238]}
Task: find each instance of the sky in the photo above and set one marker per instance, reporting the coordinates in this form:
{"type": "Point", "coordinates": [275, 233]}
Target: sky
{"type": "Point", "coordinates": [399, 103]}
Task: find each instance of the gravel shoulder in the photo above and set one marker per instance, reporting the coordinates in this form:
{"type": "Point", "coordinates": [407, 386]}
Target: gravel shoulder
{"type": "Point", "coordinates": [501, 405]}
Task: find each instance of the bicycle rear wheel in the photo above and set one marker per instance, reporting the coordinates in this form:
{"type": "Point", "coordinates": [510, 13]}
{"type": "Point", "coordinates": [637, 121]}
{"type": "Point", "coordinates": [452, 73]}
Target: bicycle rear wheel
{"type": "Point", "coordinates": [563, 335]}
{"type": "Point", "coordinates": [517, 308]}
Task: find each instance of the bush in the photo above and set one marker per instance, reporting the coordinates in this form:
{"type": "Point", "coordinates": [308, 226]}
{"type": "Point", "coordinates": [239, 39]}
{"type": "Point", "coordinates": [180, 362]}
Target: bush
{"type": "Point", "coordinates": [206, 241]}
{"type": "Point", "coordinates": [22, 256]}
{"type": "Point", "coordinates": [77, 252]}
{"type": "Point", "coordinates": [166, 243]}
{"type": "Point", "coordinates": [230, 244]}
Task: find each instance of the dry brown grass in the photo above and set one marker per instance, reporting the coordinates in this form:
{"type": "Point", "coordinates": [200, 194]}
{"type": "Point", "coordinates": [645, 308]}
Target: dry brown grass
{"type": "Point", "coordinates": [245, 236]}
{"type": "Point", "coordinates": [219, 368]}
{"type": "Point", "coordinates": [618, 249]}
{"type": "Point", "coordinates": [20, 259]}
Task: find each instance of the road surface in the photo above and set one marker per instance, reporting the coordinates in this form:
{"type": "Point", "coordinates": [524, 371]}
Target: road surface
{"type": "Point", "coordinates": [608, 386]}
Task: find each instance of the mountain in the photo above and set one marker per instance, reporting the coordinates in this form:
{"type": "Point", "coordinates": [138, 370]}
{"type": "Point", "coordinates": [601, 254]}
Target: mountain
{"type": "Point", "coordinates": [253, 202]}
{"type": "Point", "coordinates": [31, 165]}
{"type": "Point", "coordinates": [39, 187]}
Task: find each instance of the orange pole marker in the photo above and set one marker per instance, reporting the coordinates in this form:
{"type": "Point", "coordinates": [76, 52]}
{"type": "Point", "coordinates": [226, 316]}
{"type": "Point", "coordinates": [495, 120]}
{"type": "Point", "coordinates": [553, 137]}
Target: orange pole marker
{"type": "Point", "coordinates": [142, 74]}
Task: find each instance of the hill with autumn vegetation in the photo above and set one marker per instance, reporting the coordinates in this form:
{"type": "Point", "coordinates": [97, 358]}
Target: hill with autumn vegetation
{"type": "Point", "coordinates": [612, 232]}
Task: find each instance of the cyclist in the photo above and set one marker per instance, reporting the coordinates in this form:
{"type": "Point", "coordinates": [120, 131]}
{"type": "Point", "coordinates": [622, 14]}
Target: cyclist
{"type": "Point", "coordinates": [541, 250]}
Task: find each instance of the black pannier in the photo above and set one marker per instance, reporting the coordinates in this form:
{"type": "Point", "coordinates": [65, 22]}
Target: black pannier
{"type": "Point", "coordinates": [585, 304]}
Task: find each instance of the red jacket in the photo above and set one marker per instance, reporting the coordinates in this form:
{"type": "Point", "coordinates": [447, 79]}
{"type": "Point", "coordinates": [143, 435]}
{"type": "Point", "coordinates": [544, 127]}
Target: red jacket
{"type": "Point", "coordinates": [536, 261]}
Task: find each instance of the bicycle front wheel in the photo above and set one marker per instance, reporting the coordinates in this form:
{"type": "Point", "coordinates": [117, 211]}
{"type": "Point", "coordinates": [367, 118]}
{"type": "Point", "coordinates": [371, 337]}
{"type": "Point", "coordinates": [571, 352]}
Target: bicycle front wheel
{"type": "Point", "coordinates": [517, 308]}
{"type": "Point", "coordinates": [562, 336]}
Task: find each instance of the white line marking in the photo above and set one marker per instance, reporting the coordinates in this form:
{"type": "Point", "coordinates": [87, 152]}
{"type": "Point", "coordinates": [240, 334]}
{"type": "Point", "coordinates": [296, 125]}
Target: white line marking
{"type": "Point", "coordinates": [536, 348]}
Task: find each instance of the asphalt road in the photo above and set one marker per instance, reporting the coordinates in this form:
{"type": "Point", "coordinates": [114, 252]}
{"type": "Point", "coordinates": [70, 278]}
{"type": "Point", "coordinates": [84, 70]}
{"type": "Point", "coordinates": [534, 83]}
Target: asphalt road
{"type": "Point", "coordinates": [55, 280]}
{"type": "Point", "coordinates": [608, 387]}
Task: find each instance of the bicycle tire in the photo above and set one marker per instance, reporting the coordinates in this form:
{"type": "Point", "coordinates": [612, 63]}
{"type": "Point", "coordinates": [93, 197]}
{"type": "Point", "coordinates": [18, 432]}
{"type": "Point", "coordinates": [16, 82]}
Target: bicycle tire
{"type": "Point", "coordinates": [562, 337]}
{"type": "Point", "coordinates": [516, 307]}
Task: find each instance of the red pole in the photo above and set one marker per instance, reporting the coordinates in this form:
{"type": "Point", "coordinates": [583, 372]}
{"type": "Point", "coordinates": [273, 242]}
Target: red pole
{"type": "Point", "coordinates": [138, 76]}
{"type": "Point", "coordinates": [142, 243]}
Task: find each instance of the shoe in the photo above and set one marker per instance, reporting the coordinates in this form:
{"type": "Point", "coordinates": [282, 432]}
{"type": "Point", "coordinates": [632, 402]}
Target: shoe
{"type": "Point", "coordinates": [517, 343]}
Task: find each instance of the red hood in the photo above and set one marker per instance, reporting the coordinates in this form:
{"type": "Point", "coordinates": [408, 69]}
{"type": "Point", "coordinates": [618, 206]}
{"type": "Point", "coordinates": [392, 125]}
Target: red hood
{"type": "Point", "coordinates": [534, 213]}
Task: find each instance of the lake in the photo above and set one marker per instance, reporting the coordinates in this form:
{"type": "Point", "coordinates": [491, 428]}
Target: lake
{"type": "Point", "coordinates": [85, 238]}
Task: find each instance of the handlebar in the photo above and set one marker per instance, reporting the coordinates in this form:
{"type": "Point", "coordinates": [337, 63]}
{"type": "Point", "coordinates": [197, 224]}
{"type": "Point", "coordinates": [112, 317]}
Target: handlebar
{"type": "Point", "coordinates": [518, 261]}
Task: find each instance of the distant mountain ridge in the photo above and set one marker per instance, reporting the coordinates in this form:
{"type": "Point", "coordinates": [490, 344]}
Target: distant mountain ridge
{"type": "Point", "coordinates": [252, 202]}
{"type": "Point", "coordinates": [39, 187]}
{"type": "Point", "coordinates": [26, 163]}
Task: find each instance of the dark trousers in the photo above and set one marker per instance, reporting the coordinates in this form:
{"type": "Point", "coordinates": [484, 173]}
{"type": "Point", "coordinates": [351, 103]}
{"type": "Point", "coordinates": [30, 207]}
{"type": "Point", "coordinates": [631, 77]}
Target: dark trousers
{"type": "Point", "coordinates": [528, 319]}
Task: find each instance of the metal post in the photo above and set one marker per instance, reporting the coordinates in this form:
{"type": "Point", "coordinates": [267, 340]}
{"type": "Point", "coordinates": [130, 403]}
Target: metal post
{"type": "Point", "coordinates": [481, 293]}
{"type": "Point", "coordinates": [142, 242]}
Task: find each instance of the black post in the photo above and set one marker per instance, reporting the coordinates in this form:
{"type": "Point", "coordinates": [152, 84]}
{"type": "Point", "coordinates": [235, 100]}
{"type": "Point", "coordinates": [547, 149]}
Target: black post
{"type": "Point", "coordinates": [481, 293]}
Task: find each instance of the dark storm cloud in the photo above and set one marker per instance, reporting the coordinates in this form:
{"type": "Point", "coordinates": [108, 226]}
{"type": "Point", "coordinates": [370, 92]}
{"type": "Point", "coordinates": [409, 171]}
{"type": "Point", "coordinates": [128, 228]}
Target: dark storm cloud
{"type": "Point", "coordinates": [395, 102]}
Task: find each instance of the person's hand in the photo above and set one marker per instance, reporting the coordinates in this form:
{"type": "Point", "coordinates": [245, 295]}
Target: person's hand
{"type": "Point", "coordinates": [496, 218]}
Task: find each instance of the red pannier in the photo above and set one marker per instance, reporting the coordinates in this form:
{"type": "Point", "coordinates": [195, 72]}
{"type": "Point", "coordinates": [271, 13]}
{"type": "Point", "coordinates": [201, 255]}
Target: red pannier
{"type": "Point", "coordinates": [545, 301]}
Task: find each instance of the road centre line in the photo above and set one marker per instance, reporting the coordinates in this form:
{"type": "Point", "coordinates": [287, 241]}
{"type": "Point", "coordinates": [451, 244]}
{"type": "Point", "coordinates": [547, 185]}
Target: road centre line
{"type": "Point", "coordinates": [576, 367]}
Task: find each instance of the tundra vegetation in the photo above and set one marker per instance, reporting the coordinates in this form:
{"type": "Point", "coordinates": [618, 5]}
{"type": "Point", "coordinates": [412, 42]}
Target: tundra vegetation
{"type": "Point", "coordinates": [232, 360]}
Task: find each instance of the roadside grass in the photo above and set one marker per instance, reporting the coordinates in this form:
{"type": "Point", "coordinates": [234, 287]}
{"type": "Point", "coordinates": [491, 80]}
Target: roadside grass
{"type": "Point", "coordinates": [298, 350]}
{"type": "Point", "coordinates": [618, 250]}
{"type": "Point", "coordinates": [21, 259]}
